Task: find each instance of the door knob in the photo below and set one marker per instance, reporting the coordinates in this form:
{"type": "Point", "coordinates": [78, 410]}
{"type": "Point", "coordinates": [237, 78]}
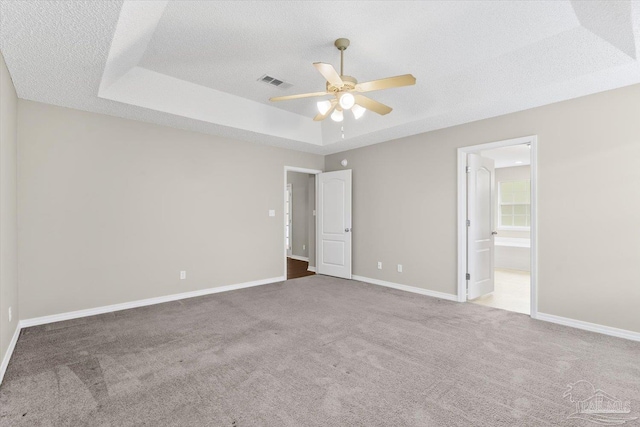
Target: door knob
{"type": "Point", "coordinates": [493, 233]}
{"type": "Point", "coordinates": [346, 230]}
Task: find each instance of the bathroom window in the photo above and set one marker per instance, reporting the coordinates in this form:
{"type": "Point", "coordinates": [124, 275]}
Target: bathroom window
{"type": "Point", "coordinates": [514, 199]}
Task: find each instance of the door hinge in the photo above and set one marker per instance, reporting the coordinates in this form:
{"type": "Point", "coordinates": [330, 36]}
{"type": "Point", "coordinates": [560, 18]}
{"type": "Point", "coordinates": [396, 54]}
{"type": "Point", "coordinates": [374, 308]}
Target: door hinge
{"type": "Point", "coordinates": [468, 223]}
{"type": "Point", "coordinates": [468, 276]}
{"type": "Point", "coordinates": [467, 169]}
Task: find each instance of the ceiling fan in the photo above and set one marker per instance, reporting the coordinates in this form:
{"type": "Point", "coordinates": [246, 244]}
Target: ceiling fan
{"type": "Point", "coordinates": [346, 90]}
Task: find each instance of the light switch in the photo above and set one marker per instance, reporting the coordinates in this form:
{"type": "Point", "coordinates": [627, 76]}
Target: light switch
{"type": "Point", "coordinates": [272, 212]}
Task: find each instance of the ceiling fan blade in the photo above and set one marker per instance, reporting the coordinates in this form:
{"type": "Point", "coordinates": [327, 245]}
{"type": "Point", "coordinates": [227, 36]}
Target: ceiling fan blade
{"type": "Point", "coordinates": [329, 73]}
{"type": "Point", "coordinates": [319, 117]}
{"type": "Point", "coordinates": [370, 104]}
{"type": "Point", "coordinates": [301, 95]}
{"type": "Point", "coordinates": [389, 82]}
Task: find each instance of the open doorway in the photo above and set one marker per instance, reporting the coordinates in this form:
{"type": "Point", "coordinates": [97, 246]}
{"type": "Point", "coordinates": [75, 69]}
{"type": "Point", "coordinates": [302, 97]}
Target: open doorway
{"type": "Point", "coordinates": [300, 224]}
{"type": "Point", "coordinates": [497, 225]}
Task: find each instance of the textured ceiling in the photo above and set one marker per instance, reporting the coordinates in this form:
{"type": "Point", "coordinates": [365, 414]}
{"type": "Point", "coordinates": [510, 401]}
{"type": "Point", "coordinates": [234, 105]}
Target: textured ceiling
{"type": "Point", "coordinates": [194, 65]}
{"type": "Point", "coordinates": [228, 46]}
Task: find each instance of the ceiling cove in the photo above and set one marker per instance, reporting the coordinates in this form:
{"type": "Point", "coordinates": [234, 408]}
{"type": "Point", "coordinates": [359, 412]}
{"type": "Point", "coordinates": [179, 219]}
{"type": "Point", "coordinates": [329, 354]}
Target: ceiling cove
{"type": "Point", "coordinates": [199, 65]}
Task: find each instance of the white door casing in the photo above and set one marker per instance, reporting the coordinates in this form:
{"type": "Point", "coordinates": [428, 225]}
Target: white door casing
{"type": "Point", "coordinates": [288, 212]}
{"type": "Point", "coordinates": [532, 141]}
{"type": "Point", "coordinates": [333, 254]}
{"type": "Point", "coordinates": [480, 230]}
{"type": "Point", "coordinates": [284, 217]}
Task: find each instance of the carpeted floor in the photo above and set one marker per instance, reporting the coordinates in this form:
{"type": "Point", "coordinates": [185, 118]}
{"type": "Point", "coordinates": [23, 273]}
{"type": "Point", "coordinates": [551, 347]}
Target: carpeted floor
{"type": "Point", "coordinates": [315, 351]}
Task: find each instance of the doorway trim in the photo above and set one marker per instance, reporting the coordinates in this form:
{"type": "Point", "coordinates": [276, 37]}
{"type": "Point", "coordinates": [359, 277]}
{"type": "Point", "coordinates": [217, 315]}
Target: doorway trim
{"type": "Point", "coordinates": [288, 223]}
{"type": "Point", "coordinates": [284, 206]}
{"type": "Point", "coordinates": [462, 213]}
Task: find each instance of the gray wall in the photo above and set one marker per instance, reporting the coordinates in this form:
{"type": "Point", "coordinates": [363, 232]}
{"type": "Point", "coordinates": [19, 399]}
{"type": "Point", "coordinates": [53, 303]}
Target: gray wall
{"type": "Point", "coordinates": [8, 209]}
{"type": "Point", "coordinates": [514, 173]}
{"type": "Point", "coordinates": [404, 205]}
{"type": "Point", "coordinates": [112, 209]}
{"type": "Point", "coordinates": [300, 215]}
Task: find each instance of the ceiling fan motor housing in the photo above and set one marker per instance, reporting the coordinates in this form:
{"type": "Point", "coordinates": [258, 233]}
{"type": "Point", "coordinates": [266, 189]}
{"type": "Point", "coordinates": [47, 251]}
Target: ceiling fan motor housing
{"type": "Point", "coordinates": [349, 85]}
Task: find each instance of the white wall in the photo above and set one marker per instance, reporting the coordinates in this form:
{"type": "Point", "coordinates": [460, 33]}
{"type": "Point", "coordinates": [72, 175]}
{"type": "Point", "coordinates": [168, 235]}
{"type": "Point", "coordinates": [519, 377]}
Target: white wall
{"type": "Point", "coordinates": [112, 209]}
{"type": "Point", "coordinates": [404, 205]}
{"type": "Point", "coordinates": [8, 210]}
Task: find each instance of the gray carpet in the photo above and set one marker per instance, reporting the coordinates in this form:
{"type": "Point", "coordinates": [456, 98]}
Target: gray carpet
{"type": "Point", "coordinates": [314, 351]}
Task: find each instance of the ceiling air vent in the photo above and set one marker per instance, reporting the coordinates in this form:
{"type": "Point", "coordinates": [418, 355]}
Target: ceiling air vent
{"type": "Point", "coordinates": [272, 81]}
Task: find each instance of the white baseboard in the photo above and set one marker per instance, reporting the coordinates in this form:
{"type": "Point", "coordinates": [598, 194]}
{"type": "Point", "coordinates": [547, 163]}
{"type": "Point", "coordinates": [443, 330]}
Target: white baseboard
{"type": "Point", "coordinates": [593, 327]}
{"type": "Point", "coordinates": [299, 258]}
{"type": "Point", "coordinates": [579, 324]}
{"type": "Point", "coordinates": [141, 303]}
{"type": "Point", "coordinates": [310, 268]}
{"type": "Point", "coordinates": [7, 355]}
{"type": "Point", "coordinates": [407, 288]}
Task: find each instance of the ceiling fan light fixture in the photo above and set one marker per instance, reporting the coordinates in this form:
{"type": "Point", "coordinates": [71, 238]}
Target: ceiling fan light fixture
{"type": "Point", "coordinates": [347, 101]}
{"type": "Point", "coordinates": [358, 111]}
{"type": "Point", "coordinates": [324, 106]}
{"type": "Point", "coordinates": [337, 116]}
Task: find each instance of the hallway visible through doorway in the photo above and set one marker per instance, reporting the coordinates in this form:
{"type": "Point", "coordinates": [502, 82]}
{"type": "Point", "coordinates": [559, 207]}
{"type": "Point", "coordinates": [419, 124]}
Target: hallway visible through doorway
{"type": "Point", "coordinates": [299, 222]}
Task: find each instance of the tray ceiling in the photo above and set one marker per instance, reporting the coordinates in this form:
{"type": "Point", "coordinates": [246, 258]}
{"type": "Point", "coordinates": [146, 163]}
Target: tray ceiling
{"type": "Point", "coordinates": [195, 65]}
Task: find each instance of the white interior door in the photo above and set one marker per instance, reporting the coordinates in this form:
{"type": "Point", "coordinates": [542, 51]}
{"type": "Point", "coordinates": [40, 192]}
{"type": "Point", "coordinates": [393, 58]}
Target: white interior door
{"type": "Point", "coordinates": [480, 231]}
{"type": "Point", "coordinates": [333, 254]}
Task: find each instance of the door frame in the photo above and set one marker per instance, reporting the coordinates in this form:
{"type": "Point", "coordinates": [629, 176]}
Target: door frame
{"type": "Point", "coordinates": [284, 206]}
{"type": "Point", "coordinates": [288, 216]}
{"type": "Point", "coordinates": [462, 213]}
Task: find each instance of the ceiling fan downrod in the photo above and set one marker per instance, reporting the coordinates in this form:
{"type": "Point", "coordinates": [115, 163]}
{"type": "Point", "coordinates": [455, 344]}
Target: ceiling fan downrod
{"type": "Point", "coordinates": [342, 44]}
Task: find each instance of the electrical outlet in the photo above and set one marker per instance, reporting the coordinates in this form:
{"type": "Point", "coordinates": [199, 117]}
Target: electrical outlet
{"type": "Point", "coordinates": [379, 265]}
{"type": "Point", "coordinates": [10, 315]}
{"type": "Point", "coordinates": [183, 275]}
{"type": "Point", "coordinates": [399, 268]}
{"type": "Point", "coordinates": [272, 212]}
{"type": "Point", "coordinates": [304, 247]}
